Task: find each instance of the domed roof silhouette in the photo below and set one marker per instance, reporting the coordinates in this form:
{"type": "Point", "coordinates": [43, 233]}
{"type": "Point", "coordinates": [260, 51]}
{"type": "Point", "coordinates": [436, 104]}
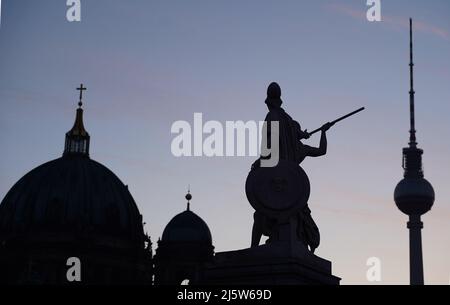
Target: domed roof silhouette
{"type": "Point", "coordinates": [187, 227]}
{"type": "Point", "coordinates": [69, 207]}
{"type": "Point", "coordinates": [185, 246]}
{"type": "Point", "coordinates": [74, 194]}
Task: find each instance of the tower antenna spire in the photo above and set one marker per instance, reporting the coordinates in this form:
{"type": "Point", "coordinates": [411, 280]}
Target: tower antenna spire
{"type": "Point", "coordinates": [412, 131]}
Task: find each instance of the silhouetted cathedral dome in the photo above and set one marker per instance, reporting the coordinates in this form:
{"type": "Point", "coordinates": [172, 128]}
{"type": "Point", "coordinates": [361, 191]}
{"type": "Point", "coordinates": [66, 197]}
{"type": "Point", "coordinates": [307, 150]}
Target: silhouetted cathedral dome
{"type": "Point", "coordinates": [73, 194]}
{"type": "Point", "coordinates": [187, 227]}
{"type": "Point", "coordinates": [72, 207]}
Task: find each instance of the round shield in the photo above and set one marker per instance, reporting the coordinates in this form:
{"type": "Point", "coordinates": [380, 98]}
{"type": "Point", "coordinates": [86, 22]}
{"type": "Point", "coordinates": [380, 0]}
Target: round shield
{"type": "Point", "coordinates": [278, 191]}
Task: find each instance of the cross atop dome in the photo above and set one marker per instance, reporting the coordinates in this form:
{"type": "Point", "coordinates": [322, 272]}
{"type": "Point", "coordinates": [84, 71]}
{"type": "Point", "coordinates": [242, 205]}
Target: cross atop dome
{"type": "Point", "coordinates": [81, 89]}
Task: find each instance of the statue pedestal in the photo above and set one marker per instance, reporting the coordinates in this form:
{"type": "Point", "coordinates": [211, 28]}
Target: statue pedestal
{"type": "Point", "coordinates": [278, 263]}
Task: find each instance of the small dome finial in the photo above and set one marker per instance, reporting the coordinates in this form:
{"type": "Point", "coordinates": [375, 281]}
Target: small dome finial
{"type": "Point", "coordinates": [188, 198]}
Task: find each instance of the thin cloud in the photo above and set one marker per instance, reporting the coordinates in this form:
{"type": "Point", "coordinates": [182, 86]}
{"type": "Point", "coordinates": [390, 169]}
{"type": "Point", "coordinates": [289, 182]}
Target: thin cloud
{"type": "Point", "coordinates": [392, 21]}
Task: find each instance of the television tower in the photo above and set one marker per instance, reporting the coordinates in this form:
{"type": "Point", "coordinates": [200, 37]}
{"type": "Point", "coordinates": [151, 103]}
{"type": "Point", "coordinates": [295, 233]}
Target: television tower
{"type": "Point", "coordinates": [414, 195]}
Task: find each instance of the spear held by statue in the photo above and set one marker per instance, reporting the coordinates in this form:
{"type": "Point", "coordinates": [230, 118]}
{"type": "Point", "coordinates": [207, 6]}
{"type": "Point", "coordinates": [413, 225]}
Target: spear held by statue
{"type": "Point", "coordinates": [337, 120]}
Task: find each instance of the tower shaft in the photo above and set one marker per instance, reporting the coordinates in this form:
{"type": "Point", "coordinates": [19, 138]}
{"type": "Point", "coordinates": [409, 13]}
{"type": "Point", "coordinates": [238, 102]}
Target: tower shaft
{"type": "Point", "coordinates": [415, 226]}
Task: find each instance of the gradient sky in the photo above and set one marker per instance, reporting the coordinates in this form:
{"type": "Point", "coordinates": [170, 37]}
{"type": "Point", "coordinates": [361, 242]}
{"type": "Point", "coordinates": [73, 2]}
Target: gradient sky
{"type": "Point", "coordinates": [148, 63]}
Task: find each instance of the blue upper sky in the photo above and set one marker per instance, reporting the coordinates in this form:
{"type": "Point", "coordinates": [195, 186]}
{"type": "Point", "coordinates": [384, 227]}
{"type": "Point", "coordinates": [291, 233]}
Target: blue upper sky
{"type": "Point", "coordinates": [148, 63]}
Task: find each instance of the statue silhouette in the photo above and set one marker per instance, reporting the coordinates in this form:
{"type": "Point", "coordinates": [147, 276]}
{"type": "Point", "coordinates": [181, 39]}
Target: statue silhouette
{"type": "Point", "coordinates": [291, 153]}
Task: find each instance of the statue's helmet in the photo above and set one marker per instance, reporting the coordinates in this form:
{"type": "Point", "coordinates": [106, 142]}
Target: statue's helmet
{"type": "Point", "coordinates": [274, 95]}
{"type": "Point", "coordinates": [274, 91]}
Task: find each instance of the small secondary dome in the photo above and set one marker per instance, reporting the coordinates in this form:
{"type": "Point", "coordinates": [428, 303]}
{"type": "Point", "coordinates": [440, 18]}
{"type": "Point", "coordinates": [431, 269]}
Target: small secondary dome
{"type": "Point", "coordinates": [187, 227]}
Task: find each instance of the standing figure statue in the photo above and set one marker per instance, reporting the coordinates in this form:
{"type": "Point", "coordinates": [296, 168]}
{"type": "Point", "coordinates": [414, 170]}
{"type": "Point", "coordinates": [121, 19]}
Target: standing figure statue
{"type": "Point", "coordinates": [291, 153]}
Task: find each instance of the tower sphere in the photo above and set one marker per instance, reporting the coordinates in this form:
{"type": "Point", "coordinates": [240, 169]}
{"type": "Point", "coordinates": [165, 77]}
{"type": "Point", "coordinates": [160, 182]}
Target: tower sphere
{"type": "Point", "coordinates": [414, 196]}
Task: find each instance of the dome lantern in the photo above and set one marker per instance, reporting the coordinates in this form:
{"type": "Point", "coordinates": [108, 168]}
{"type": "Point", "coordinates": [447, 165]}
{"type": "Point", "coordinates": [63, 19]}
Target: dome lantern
{"type": "Point", "coordinates": [78, 139]}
